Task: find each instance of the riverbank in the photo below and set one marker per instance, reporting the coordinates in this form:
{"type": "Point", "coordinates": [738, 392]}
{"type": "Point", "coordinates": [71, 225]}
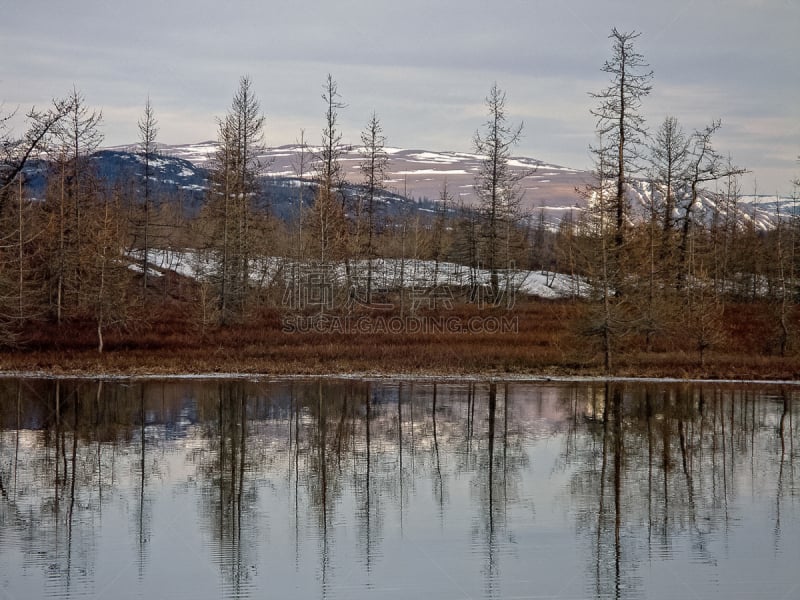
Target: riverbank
{"type": "Point", "coordinates": [133, 365]}
{"type": "Point", "coordinates": [539, 340]}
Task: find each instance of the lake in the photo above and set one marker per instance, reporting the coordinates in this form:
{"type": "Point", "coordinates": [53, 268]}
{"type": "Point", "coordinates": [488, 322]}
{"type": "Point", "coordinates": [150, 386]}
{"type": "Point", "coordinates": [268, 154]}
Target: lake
{"type": "Point", "coordinates": [398, 489]}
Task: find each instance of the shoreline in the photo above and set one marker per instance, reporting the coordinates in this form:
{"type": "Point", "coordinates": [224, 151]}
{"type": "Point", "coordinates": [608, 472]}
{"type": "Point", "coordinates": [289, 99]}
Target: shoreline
{"type": "Point", "coordinates": [386, 376]}
{"type": "Point", "coordinates": [546, 347]}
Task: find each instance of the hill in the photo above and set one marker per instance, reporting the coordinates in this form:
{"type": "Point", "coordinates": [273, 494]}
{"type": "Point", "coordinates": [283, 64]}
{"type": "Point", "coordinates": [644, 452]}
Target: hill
{"type": "Point", "coordinates": [415, 180]}
{"type": "Point", "coordinates": [548, 190]}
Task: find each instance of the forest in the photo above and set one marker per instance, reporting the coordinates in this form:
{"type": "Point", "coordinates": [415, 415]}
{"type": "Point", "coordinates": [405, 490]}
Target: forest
{"type": "Point", "coordinates": [659, 286]}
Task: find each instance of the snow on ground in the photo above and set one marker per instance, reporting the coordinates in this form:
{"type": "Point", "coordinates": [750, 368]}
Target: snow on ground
{"type": "Point", "coordinates": [196, 153]}
{"type": "Point", "coordinates": [433, 157]}
{"type": "Point", "coordinates": [433, 172]}
{"type": "Point", "coordinates": [386, 273]}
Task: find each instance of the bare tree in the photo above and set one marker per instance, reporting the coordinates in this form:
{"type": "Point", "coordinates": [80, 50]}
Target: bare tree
{"type": "Point", "coordinates": [148, 130]}
{"type": "Point", "coordinates": [438, 246]}
{"type": "Point", "coordinates": [107, 275]}
{"type": "Point", "coordinates": [604, 323]}
{"type": "Point", "coordinates": [619, 120]}
{"type": "Point", "coordinates": [465, 247]}
{"type": "Point", "coordinates": [620, 129]}
{"type": "Point", "coordinates": [22, 227]}
{"type": "Point", "coordinates": [705, 164]}
{"type": "Point", "coordinates": [496, 183]}
{"type": "Point", "coordinates": [327, 216]}
{"type": "Point", "coordinates": [234, 186]}
{"type": "Point", "coordinates": [783, 258]}
{"type": "Point", "coordinates": [669, 154]}
{"type": "Point", "coordinates": [300, 165]}
{"type": "Point", "coordinates": [329, 171]}
{"type": "Point", "coordinates": [15, 152]}
{"type": "Point", "coordinates": [21, 235]}
{"type": "Point", "coordinates": [79, 135]}
{"type": "Point", "coordinates": [72, 193]}
{"type": "Point", "coordinates": [373, 170]}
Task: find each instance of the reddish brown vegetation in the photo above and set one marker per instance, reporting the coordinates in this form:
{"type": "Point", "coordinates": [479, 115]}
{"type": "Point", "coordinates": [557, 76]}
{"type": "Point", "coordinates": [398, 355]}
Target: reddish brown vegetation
{"type": "Point", "coordinates": [546, 344]}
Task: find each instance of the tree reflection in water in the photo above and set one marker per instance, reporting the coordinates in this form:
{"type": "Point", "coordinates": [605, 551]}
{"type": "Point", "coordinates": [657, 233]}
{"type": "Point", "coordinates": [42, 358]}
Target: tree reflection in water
{"type": "Point", "coordinates": [348, 477]}
{"type": "Point", "coordinates": [672, 461]}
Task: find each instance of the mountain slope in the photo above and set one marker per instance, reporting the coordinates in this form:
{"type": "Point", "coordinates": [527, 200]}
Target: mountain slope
{"type": "Point", "coordinates": [549, 191]}
{"type": "Point", "coordinates": [421, 174]}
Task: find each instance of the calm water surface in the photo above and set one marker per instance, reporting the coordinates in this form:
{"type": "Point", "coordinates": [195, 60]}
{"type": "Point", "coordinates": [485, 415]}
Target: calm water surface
{"type": "Point", "coordinates": [354, 489]}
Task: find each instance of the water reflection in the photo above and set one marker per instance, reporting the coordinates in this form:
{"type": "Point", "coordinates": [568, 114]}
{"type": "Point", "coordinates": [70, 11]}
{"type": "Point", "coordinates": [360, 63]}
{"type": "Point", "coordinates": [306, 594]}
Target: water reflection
{"type": "Point", "coordinates": [395, 489]}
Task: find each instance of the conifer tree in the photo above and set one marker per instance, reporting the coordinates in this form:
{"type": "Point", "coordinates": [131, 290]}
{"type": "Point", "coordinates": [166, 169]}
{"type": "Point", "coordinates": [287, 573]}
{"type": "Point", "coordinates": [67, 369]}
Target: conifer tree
{"type": "Point", "coordinates": [233, 192]}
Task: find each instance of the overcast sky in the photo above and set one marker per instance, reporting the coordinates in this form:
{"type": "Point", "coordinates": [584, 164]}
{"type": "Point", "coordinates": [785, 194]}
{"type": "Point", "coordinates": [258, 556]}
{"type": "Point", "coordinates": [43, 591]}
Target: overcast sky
{"type": "Point", "coordinates": [424, 66]}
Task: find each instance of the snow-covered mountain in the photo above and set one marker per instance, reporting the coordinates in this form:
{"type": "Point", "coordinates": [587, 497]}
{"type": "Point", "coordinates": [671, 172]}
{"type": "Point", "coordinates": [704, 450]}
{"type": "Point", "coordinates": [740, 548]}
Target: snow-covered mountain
{"type": "Point", "coordinates": [549, 191]}
{"type": "Point", "coordinates": [166, 171]}
{"type": "Point", "coordinates": [172, 178]}
{"type": "Point", "coordinates": [711, 207]}
{"type": "Point", "coordinates": [421, 174]}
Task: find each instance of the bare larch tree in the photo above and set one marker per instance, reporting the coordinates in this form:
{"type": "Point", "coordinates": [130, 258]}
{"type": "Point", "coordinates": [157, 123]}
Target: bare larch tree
{"type": "Point", "coordinates": [148, 130]}
{"type": "Point", "coordinates": [496, 183]}
{"type": "Point", "coordinates": [619, 120]}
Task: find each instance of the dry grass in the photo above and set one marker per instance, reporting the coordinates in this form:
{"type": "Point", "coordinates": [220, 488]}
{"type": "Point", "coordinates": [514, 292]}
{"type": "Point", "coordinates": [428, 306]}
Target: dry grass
{"type": "Point", "coordinates": [545, 344]}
